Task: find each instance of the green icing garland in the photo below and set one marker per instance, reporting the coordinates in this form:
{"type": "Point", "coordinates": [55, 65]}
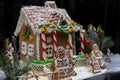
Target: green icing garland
{"type": "Point", "coordinates": [44, 25]}
{"type": "Point", "coordinates": [82, 56]}
{"type": "Point", "coordinates": [43, 62]}
{"type": "Point", "coordinates": [63, 26]}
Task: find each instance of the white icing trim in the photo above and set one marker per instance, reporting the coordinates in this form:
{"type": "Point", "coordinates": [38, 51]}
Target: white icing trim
{"type": "Point", "coordinates": [102, 64]}
{"type": "Point", "coordinates": [24, 48]}
{"type": "Point", "coordinates": [64, 13]}
{"type": "Point", "coordinates": [31, 25]}
{"type": "Point", "coordinates": [82, 37]}
{"type": "Point", "coordinates": [43, 37]}
{"type": "Point", "coordinates": [60, 48]}
{"type": "Point", "coordinates": [48, 50]}
{"type": "Point", "coordinates": [98, 70]}
{"type": "Point", "coordinates": [38, 46]}
{"type": "Point", "coordinates": [23, 19]}
{"type": "Point", "coordinates": [30, 49]}
{"type": "Point", "coordinates": [70, 43]}
{"type": "Point", "coordinates": [19, 24]}
{"type": "Point", "coordinates": [100, 57]}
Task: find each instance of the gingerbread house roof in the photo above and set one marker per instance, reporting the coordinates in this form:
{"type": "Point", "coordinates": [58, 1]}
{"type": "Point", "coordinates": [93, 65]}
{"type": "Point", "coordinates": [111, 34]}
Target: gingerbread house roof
{"type": "Point", "coordinates": [38, 15]}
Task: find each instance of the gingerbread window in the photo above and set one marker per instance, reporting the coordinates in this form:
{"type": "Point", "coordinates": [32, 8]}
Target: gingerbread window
{"type": "Point", "coordinates": [24, 48]}
{"type": "Point", "coordinates": [30, 49]}
{"type": "Point", "coordinates": [49, 51]}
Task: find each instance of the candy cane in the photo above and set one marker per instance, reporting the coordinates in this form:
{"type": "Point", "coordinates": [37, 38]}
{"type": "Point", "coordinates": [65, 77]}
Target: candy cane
{"type": "Point", "coordinates": [82, 40]}
{"type": "Point", "coordinates": [55, 43]}
{"type": "Point", "coordinates": [43, 46]}
{"type": "Point", "coordinates": [70, 44]}
{"type": "Point", "coordinates": [10, 50]}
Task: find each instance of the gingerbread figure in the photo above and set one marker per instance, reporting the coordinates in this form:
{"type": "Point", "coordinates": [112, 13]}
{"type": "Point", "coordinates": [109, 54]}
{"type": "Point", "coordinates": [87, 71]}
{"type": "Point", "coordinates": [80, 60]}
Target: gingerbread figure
{"type": "Point", "coordinates": [63, 64]}
{"type": "Point", "coordinates": [96, 59]}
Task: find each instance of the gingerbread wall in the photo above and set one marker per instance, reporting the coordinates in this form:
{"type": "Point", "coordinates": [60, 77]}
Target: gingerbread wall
{"type": "Point", "coordinates": [62, 39]}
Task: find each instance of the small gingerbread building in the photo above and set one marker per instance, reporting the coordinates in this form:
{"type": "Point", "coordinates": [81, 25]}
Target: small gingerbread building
{"type": "Point", "coordinates": [96, 59]}
{"type": "Point", "coordinates": [42, 29]}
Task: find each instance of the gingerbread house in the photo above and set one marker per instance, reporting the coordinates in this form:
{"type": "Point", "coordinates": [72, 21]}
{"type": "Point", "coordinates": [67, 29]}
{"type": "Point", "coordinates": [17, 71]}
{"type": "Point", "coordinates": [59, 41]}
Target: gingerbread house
{"type": "Point", "coordinates": [42, 29]}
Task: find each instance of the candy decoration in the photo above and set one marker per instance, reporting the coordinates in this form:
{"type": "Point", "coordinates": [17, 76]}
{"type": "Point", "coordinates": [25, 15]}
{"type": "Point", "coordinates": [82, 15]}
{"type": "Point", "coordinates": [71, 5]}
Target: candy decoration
{"type": "Point", "coordinates": [71, 29]}
{"type": "Point", "coordinates": [87, 42]}
{"type": "Point", "coordinates": [26, 27]}
{"type": "Point", "coordinates": [43, 46]}
{"type": "Point", "coordinates": [52, 25]}
{"type": "Point", "coordinates": [82, 40]}
{"type": "Point", "coordinates": [73, 22]}
{"type": "Point", "coordinates": [70, 44]}
{"type": "Point", "coordinates": [26, 32]}
{"type": "Point", "coordinates": [10, 50]}
{"type": "Point", "coordinates": [44, 29]}
{"type": "Point", "coordinates": [31, 38]}
{"type": "Point", "coordinates": [54, 43]}
{"type": "Point", "coordinates": [63, 29]}
{"type": "Point", "coordinates": [63, 26]}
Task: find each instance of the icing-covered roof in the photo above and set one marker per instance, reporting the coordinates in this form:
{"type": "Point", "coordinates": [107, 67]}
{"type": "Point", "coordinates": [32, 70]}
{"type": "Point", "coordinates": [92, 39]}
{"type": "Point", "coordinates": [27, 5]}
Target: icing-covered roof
{"type": "Point", "coordinates": [43, 15]}
{"type": "Point", "coordinates": [38, 15]}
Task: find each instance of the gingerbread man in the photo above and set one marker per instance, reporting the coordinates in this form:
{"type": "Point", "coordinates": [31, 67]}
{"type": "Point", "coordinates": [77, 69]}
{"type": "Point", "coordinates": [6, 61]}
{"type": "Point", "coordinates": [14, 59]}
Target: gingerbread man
{"type": "Point", "coordinates": [96, 59]}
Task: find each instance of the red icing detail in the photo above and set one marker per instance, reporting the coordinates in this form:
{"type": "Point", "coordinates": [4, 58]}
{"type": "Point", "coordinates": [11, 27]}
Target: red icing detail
{"type": "Point", "coordinates": [25, 27]}
{"type": "Point", "coordinates": [9, 48]}
{"type": "Point", "coordinates": [44, 41]}
{"type": "Point", "coordinates": [87, 42]}
{"type": "Point", "coordinates": [82, 49]}
{"type": "Point", "coordinates": [82, 32]}
{"type": "Point", "coordinates": [55, 42]}
{"type": "Point", "coordinates": [55, 52]}
{"type": "Point", "coordinates": [43, 49]}
{"type": "Point", "coordinates": [42, 58]}
{"type": "Point", "coordinates": [54, 33]}
{"type": "Point", "coordinates": [81, 40]}
{"type": "Point", "coordinates": [70, 46]}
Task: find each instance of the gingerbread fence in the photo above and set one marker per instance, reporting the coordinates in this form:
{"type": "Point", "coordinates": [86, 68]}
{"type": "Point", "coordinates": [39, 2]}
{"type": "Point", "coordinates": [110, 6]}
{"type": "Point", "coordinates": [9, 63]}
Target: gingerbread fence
{"type": "Point", "coordinates": [40, 68]}
{"type": "Point", "coordinates": [81, 62]}
{"type": "Point", "coordinates": [51, 75]}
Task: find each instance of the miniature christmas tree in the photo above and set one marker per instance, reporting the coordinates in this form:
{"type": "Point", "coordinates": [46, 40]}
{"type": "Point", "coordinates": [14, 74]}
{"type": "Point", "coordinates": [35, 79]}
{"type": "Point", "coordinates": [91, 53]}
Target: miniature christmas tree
{"type": "Point", "coordinates": [97, 36]}
{"type": "Point", "coordinates": [9, 61]}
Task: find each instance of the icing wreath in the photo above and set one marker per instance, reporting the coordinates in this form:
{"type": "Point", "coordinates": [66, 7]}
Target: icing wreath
{"type": "Point", "coordinates": [27, 33]}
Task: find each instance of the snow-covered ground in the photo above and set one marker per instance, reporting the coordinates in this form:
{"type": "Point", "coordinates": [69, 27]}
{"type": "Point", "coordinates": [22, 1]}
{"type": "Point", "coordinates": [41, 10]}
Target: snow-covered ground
{"type": "Point", "coordinates": [84, 72]}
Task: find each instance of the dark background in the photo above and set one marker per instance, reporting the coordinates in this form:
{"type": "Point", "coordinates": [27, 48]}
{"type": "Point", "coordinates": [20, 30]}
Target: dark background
{"type": "Point", "coordinates": [103, 12]}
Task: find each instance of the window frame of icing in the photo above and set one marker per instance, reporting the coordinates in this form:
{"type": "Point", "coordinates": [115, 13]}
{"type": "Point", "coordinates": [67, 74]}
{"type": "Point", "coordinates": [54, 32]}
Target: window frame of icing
{"type": "Point", "coordinates": [24, 48]}
{"type": "Point", "coordinates": [30, 49]}
{"type": "Point", "coordinates": [50, 52]}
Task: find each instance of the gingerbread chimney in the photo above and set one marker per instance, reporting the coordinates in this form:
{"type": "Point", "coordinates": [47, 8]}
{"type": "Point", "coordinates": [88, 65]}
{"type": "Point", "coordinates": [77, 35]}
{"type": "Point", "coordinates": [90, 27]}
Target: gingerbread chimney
{"type": "Point", "coordinates": [50, 4]}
